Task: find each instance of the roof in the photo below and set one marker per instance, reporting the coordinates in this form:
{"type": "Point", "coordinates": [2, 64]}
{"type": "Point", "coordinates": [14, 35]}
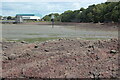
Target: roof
{"type": "Point", "coordinates": [25, 14]}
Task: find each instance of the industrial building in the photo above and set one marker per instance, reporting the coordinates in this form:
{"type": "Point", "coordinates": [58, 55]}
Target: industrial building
{"type": "Point", "coordinates": [25, 17]}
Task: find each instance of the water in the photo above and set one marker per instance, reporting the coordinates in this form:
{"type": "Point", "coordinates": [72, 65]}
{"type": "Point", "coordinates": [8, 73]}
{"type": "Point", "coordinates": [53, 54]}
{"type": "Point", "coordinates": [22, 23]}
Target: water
{"type": "Point", "coordinates": [15, 31]}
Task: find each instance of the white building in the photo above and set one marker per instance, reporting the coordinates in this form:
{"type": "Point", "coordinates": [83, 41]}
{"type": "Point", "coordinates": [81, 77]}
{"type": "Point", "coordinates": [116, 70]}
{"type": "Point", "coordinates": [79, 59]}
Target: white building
{"type": "Point", "coordinates": [22, 17]}
{"type": "Point", "coordinates": [4, 18]}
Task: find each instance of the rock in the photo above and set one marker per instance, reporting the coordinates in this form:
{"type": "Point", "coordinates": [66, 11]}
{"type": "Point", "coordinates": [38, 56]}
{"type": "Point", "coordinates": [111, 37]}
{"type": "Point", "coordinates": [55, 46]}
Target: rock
{"type": "Point", "coordinates": [60, 39]}
{"type": "Point", "coordinates": [61, 45]}
{"type": "Point", "coordinates": [97, 58]}
{"type": "Point", "coordinates": [72, 40]}
{"type": "Point", "coordinates": [88, 50]}
{"type": "Point", "coordinates": [11, 57]}
{"type": "Point", "coordinates": [90, 46]}
{"type": "Point", "coordinates": [22, 41]}
{"type": "Point", "coordinates": [4, 54]}
{"type": "Point", "coordinates": [6, 46]}
{"type": "Point", "coordinates": [113, 51]}
{"type": "Point", "coordinates": [46, 50]}
{"type": "Point", "coordinates": [27, 54]}
{"type": "Point", "coordinates": [36, 46]}
{"type": "Point", "coordinates": [4, 58]}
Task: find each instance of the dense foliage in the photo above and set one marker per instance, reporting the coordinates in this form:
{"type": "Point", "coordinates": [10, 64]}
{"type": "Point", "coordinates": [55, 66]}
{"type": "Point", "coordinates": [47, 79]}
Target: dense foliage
{"type": "Point", "coordinates": [48, 17]}
{"type": "Point", "coordinates": [9, 18]}
{"type": "Point", "coordinates": [104, 12]}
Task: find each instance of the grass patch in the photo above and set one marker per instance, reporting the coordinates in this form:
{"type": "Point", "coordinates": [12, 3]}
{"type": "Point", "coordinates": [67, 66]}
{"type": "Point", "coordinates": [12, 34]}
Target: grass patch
{"type": "Point", "coordinates": [94, 38]}
{"type": "Point", "coordinates": [43, 34]}
{"type": "Point", "coordinates": [34, 34]}
{"type": "Point", "coordinates": [43, 39]}
{"type": "Point", "coordinates": [39, 39]}
{"type": "Point", "coordinates": [31, 40]}
{"type": "Point", "coordinates": [54, 34]}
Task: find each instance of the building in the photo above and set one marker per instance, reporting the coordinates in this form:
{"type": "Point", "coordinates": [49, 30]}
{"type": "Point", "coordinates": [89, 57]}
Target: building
{"type": "Point", "coordinates": [24, 17]}
{"type": "Point", "coordinates": [4, 18]}
{"type": "Point", "coordinates": [0, 17]}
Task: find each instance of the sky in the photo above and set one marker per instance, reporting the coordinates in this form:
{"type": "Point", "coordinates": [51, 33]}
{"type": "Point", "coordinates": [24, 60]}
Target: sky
{"type": "Point", "coordinates": [43, 7]}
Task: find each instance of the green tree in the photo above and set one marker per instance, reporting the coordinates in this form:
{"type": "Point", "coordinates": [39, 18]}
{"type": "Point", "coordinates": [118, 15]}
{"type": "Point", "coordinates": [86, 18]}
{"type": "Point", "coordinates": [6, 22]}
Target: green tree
{"type": "Point", "coordinates": [67, 16]}
{"type": "Point", "coordinates": [82, 9]}
{"type": "Point", "coordinates": [104, 12]}
{"type": "Point", "coordinates": [9, 18]}
{"type": "Point", "coordinates": [48, 17]}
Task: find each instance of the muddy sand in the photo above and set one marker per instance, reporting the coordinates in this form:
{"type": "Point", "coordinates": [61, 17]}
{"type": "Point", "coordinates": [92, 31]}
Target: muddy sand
{"type": "Point", "coordinates": [62, 58]}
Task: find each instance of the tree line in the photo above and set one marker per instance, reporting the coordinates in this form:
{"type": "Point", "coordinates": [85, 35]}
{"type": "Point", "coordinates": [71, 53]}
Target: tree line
{"type": "Point", "coordinates": [7, 17]}
{"type": "Point", "coordinates": [104, 12]}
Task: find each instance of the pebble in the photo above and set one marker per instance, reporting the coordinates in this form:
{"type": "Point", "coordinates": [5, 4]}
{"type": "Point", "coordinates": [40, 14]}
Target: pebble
{"type": "Point", "coordinates": [113, 51]}
{"type": "Point", "coordinates": [36, 46]}
{"type": "Point", "coordinates": [6, 46]}
{"type": "Point", "coordinates": [5, 58]}
{"type": "Point", "coordinates": [90, 46]}
{"type": "Point", "coordinates": [97, 58]}
{"type": "Point", "coordinates": [22, 41]}
{"type": "Point", "coordinates": [46, 50]}
{"type": "Point", "coordinates": [11, 58]}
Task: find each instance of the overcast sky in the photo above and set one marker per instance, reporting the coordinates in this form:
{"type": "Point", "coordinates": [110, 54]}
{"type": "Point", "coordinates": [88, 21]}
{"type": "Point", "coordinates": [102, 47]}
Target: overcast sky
{"type": "Point", "coordinates": [43, 7]}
